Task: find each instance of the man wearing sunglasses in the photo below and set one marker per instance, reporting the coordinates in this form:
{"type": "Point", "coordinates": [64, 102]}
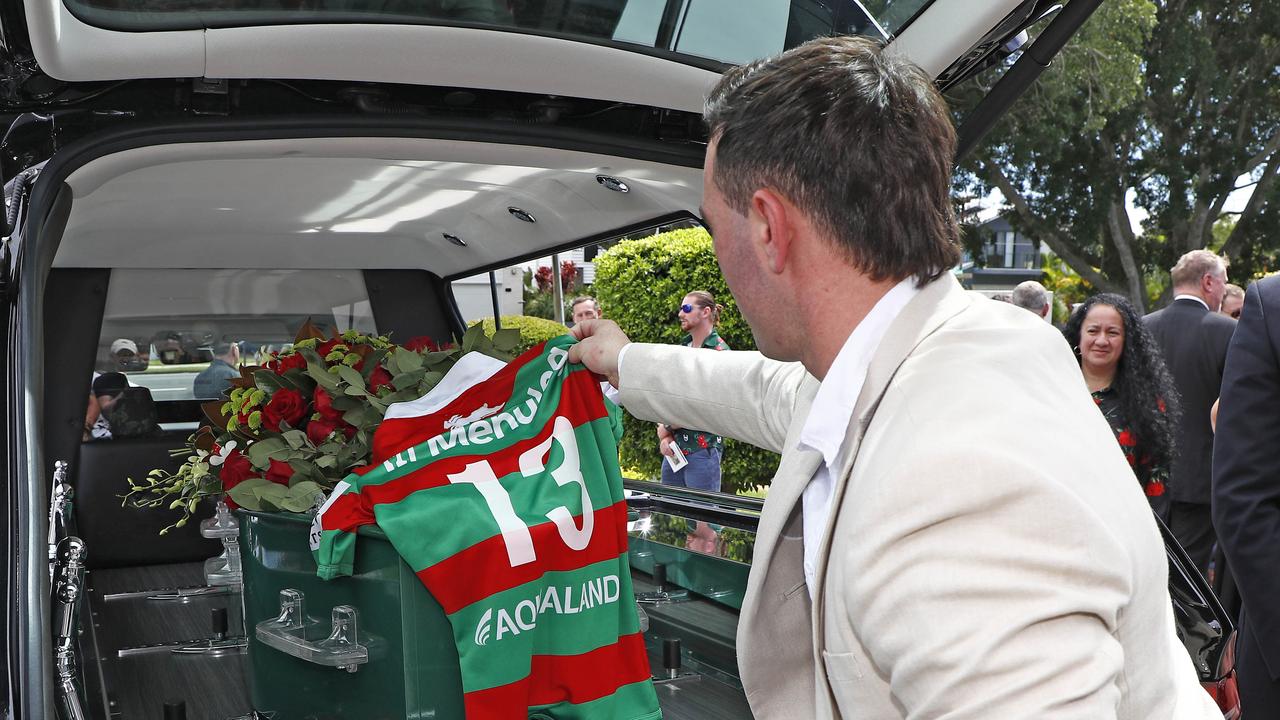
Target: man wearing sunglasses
{"type": "Point", "coordinates": [702, 450]}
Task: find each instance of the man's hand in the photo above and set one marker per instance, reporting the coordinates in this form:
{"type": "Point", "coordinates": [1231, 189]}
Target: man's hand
{"type": "Point", "coordinates": [664, 447]}
{"type": "Point", "coordinates": [599, 342]}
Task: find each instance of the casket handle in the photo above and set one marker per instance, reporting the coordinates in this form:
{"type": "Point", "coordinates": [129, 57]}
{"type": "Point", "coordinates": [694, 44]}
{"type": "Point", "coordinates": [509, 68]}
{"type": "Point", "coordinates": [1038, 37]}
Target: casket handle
{"type": "Point", "coordinates": [294, 633]}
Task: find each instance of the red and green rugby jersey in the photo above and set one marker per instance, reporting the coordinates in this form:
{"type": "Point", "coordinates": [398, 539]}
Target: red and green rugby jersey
{"type": "Point", "coordinates": [506, 499]}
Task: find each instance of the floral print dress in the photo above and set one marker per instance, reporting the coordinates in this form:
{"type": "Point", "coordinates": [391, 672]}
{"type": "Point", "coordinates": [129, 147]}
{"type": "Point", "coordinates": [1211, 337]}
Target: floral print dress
{"type": "Point", "coordinates": [1153, 476]}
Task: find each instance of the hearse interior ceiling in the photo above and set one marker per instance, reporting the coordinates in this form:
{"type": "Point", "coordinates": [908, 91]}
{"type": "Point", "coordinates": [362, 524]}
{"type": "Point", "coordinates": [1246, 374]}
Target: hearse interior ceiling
{"type": "Point", "coordinates": [372, 203]}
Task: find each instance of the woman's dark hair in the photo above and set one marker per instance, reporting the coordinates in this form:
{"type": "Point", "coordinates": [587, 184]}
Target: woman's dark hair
{"type": "Point", "coordinates": [1142, 382]}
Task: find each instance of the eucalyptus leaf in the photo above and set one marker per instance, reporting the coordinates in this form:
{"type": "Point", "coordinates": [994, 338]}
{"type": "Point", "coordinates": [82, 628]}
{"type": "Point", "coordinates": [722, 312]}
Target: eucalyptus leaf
{"type": "Point", "coordinates": [269, 381]}
{"type": "Point", "coordinates": [429, 381]}
{"type": "Point", "coordinates": [352, 376]}
{"type": "Point", "coordinates": [409, 379]}
{"type": "Point", "coordinates": [344, 403]}
{"type": "Point", "coordinates": [298, 379]}
{"type": "Point", "coordinates": [410, 393]}
{"type": "Point", "coordinates": [260, 452]}
{"type": "Point", "coordinates": [472, 337]}
{"type": "Point", "coordinates": [355, 391]}
{"type": "Point", "coordinates": [407, 360]}
{"type": "Point", "coordinates": [295, 438]}
{"type": "Point", "coordinates": [245, 494]}
{"type": "Point", "coordinates": [318, 371]}
{"type": "Point", "coordinates": [372, 362]}
{"type": "Point", "coordinates": [360, 416]}
{"type": "Point", "coordinates": [304, 470]}
{"type": "Point", "coordinates": [327, 461]}
{"type": "Point", "coordinates": [506, 340]}
{"type": "Point", "coordinates": [271, 495]}
{"type": "Point", "coordinates": [301, 497]}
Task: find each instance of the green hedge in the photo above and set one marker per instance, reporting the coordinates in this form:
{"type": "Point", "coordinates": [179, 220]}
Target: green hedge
{"type": "Point", "coordinates": [639, 284]}
{"type": "Point", "coordinates": [533, 330]}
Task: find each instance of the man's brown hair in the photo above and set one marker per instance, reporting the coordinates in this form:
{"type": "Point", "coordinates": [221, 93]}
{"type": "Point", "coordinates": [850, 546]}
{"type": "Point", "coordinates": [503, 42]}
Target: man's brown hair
{"type": "Point", "coordinates": [860, 141]}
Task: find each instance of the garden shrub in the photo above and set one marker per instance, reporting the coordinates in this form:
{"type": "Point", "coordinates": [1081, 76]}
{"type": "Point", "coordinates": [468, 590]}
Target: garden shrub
{"type": "Point", "coordinates": [639, 284]}
{"type": "Point", "coordinates": [533, 330]}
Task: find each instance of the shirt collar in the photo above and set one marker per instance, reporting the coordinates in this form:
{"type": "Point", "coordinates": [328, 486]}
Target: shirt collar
{"type": "Point", "coordinates": [712, 341]}
{"type": "Point", "coordinates": [828, 422]}
{"type": "Point", "coordinates": [1192, 297]}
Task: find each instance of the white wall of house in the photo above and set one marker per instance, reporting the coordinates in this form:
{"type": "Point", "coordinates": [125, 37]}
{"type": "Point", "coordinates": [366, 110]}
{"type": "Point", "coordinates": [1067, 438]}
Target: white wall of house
{"type": "Point", "coordinates": [475, 301]}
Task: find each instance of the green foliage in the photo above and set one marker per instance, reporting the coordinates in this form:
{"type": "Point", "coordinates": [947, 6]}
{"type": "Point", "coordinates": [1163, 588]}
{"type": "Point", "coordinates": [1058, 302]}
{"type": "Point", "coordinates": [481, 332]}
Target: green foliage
{"type": "Point", "coordinates": [639, 284]}
{"type": "Point", "coordinates": [533, 330]}
{"type": "Point", "coordinates": [543, 305]}
{"type": "Point", "coordinates": [1067, 287]}
{"type": "Point", "coordinates": [1157, 105]}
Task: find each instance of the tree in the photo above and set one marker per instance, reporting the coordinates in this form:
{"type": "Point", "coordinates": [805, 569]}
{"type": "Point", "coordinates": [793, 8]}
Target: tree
{"type": "Point", "coordinates": [1162, 103]}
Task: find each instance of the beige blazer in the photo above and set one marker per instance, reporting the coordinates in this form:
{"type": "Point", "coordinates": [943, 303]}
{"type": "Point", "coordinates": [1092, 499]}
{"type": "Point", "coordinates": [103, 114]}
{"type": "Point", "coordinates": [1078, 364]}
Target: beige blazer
{"type": "Point", "coordinates": [989, 553]}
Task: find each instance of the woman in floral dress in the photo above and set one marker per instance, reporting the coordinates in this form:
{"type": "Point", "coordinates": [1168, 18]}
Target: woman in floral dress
{"type": "Point", "coordinates": [1126, 374]}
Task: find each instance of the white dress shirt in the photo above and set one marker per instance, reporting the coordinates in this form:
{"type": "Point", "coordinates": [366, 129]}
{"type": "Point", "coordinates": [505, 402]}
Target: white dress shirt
{"type": "Point", "coordinates": [828, 422]}
{"type": "Point", "coordinates": [1197, 298]}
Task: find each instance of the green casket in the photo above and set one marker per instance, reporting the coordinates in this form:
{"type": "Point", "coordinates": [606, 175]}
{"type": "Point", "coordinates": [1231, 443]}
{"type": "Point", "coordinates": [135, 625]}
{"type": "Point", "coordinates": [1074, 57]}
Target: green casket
{"type": "Point", "coordinates": [394, 656]}
{"type": "Point", "coordinates": [409, 667]}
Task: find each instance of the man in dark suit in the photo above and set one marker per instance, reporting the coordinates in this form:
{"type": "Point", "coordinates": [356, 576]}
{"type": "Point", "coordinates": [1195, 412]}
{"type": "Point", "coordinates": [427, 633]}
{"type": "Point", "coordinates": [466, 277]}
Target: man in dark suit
{"type": "Point", "coordinates": [1246, 492]}
{"type": "Point", "coordinates": [1194, 338]}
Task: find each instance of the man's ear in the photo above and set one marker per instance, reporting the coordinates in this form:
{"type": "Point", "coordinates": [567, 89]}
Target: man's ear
{"type": "Point", "coordinates": [772, 225]}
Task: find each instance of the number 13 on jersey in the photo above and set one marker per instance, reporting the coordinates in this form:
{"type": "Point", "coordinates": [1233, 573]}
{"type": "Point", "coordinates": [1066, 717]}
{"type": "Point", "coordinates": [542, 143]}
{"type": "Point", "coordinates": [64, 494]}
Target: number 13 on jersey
{"type": "Point", "coordinates": [515, 534]}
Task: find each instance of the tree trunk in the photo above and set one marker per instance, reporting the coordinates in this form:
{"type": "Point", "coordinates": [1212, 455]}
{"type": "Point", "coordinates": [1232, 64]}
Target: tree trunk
{"type": "Point", "coordinates": [1122, 238]}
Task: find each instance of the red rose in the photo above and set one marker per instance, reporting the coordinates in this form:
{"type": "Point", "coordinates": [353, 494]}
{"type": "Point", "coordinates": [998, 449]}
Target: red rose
{"type": "Point", "coordinates": [284, 363]}
{"type": "Point", "coordinates": [379, 379]}
{"type": "Point", "coordinates": [319, 429]}
{"type": "Point", "coordinates": [235, 470]}
{"type": "Point", "coordinates": [327, 347]}
{"type": "Point", "coordinates": [279, 472]}
{"type": "Point", "coordinates": [324, 405]}
{"type": "Point", "coordinates": [420, 343]}
{"type": "Point", "coordinates": [285, 406]}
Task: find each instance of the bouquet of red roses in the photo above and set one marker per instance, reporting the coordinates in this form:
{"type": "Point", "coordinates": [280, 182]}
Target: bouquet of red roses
{"type": "Point", "coordinates": [294, 426]}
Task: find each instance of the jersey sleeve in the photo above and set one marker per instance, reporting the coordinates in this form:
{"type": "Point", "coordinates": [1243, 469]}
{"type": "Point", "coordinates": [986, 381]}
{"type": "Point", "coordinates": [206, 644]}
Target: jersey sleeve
{"type": "Point", "coordinates": [333, 532]}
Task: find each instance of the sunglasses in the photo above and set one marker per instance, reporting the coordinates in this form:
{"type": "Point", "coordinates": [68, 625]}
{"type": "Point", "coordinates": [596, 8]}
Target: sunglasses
{"type": "Point", "coordinates": [687, 308]}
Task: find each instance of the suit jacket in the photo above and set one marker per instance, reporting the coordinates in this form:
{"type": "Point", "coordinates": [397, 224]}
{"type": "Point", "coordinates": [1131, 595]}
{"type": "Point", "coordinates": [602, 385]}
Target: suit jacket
{"type": "Point", "coordinates": [1246, 475]}
{"type": "Point", "coordinates": [988, 553]}
{"type": "Point", "coordinates": [1194, 342]}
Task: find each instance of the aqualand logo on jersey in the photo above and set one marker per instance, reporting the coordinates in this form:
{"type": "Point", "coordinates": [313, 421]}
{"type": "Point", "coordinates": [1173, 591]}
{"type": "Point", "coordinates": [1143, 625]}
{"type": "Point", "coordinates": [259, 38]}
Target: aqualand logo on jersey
{"type": "Point", "coordinates": [559, 600]}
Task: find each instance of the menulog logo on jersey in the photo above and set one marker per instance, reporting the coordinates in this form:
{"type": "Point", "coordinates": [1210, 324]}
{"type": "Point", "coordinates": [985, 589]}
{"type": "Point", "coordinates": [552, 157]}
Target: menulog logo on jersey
{"type": "Point", "coordinates": [563, 600]}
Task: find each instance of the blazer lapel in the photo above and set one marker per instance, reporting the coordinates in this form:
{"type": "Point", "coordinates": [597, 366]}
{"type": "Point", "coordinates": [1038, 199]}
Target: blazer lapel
{"type": "Point", "coordinates": [775, 669]}
{"type": "Point", "coordinates": [936, 303]}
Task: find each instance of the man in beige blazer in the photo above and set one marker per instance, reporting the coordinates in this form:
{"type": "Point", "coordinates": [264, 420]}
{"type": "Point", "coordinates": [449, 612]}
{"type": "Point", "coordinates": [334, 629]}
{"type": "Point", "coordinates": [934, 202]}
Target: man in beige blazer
{"type": "Point", "coordinates": [953, 531]}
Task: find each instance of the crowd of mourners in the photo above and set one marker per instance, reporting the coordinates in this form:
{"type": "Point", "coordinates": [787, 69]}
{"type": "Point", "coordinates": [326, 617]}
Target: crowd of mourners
{"type": "Point", "coordinates": [1159, 380]}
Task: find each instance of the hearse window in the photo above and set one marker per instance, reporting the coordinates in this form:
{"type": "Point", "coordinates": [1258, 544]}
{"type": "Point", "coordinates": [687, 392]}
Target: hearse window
{"type": "Point", "coordinates": [720, 31]}
{"type": "Point", "coordinates": [170, 330]}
